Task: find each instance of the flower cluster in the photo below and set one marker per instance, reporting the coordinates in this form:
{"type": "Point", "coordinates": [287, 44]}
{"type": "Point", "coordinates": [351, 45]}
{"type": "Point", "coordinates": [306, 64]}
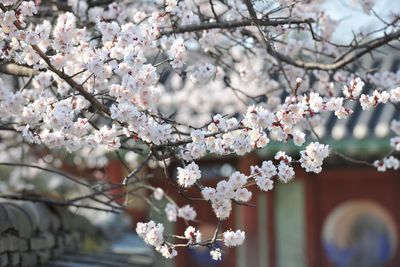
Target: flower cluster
{"type": "Point", "coordinates": [221, 197]}
{"type": "Point", "coordinates": [263, 175]}
{"type": "Point", "coordinates": [177, 53]}
{"type": "Point", "coordinates": [355, 88]}
{"type": "Point", "coordinates": [186, 212]}
{"type": "Point", "coordinates": [368, 102]}
{"type": "Point", "coordinates": [313, 156]}
{"type": "Point", "coordinates": [216, 254]}
{"type": "Point", "coordinates": [152, 234]}
{"type": "Point", "coordinates": [202, 73]}
{"type": "Point", "coordinates": [189, 175]}
{"type": "Point", "coordinates": [234, 239]}
{"type": "Point", "coordinates": [158, 193]}
{"type": "Point", "coordinates": [285, 170]}
{"type": "Point", "coordinates": [395, 141]}
{"type": "Point", "coordinates": [387, 163]}
{"type": "Point", "coordinates": [192, 235]}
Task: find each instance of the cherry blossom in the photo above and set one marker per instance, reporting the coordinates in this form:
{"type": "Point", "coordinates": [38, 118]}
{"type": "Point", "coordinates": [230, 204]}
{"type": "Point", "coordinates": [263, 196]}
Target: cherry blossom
{"type": "Point", "coordinates": [233, 239]}
{"type": "Point", "coordinates": [312, 157]}
{"type": "Point", "coordinates": [189, 175]}
{"type": "Point", "coordinates": [216, 254]}
{"type": "Point", "coordinates": [187, 213]}
{"type": "Point", "coordinates": [158, 193]}
{"type": "Point", "coordinates": [151, 233]}
{"type": "Point", "coordinates": [193, 235]}
{"type": "Point", "coordinates": [171, 211]}
{"type": "Point", "coordinates": [157, 82]}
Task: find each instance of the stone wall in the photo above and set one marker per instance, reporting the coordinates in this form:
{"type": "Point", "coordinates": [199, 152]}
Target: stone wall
{"type": "Point", "coordinates": [33, 233]}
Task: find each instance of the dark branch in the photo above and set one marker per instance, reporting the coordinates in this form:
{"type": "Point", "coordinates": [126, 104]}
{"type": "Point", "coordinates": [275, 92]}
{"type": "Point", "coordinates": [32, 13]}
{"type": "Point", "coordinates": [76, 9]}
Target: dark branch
{"type": "Point", "coordinates": [342, 62]}
{"type": "Point", "coordinates": [46, 170]}
{"type": "Point", "coordinates": [53, 202]}
{"type": "Point", "coordinates": [233, 24]}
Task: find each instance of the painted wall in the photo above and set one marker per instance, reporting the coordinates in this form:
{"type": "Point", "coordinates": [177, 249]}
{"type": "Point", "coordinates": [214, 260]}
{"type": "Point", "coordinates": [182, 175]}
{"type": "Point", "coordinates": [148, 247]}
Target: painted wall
{"type": "Point", "coordinates": [290, 224]}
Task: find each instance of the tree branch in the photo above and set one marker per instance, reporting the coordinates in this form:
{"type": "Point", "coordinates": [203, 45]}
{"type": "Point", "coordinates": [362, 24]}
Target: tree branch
{"type": "Point", "coordinates": [46, 170]}
{"type": "Point", "coordinates": [17, 70]}
{"type": "Point", "coordinates": [233, 24]}
{"type": "Point", "coordinates": [53, 202]}
{"type": "Point", "coordinates": [342, 61]}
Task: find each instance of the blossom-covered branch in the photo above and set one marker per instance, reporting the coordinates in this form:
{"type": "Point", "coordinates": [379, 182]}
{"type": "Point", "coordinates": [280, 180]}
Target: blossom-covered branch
{"type": "Point", "coordinates": [152, 83]}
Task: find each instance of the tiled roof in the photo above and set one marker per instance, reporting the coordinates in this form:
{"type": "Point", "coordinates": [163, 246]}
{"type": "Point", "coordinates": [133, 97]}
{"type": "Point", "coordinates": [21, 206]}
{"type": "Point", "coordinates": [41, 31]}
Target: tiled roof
{"type": "Point", "coordinates": [364, 133]}
{"type": "Point", "coordinates": [371, 127]}
{"type": "Point", "coordinates": [373, 123]}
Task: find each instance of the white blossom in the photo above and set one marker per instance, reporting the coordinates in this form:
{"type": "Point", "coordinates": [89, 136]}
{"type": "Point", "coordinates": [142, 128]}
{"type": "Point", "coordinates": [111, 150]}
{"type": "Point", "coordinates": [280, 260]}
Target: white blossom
{"type": "Point", "coordinates": [242, 195]}
{"type": "Point", "coordinates": [258, 117]}
{"type": "Point", "coordinates": [193, 235]}
{"type": "Point", "coordinates": [285, 172]}
{"type": "Point", "coordinates": [355, 88]}
{"type": "Point", "coordinates": [222, 208]}
{"type": "Point", "coordinates": [316, 102]}
{"type": "Point", "coordinates": [299, 138]}
{"type": "Point", "coordinates": [233, 239]}
{"type": "Point", "coordinates": [171, 211]}
{"type": "Point", "coordinates": [216, 254]}
{"type": "Point", "coordinates": [237, 180]}
{"type": "Point", "coordinates": [392, 163]}
{"type": "Point", "coordinates": [312, 157]}
{"type": "Point", "coordinates": [395, 95]}
{"type": "Point", "coordinates": [189, 175]}
{"type": "Point", "coordinates": [395, 143]}
{"type": "Point", "coordinates": [167, 251]}
{"type": "Point", "coordinates": [151, 233]}
{"type": "Point", "coordinates": [264, 183]}
{"type": "Point", "coordinates": [197, 136]}
{"type": "Point", "coordinates": [158, 193]}
{"type": "Point", "coordinates": [395, 126]}
{"type": "Point", "coordinates": [208, 193]}
{"type": "Point", "coordinates": [177, 53]}
{"type": "Point", "coordinates": [187, 213]}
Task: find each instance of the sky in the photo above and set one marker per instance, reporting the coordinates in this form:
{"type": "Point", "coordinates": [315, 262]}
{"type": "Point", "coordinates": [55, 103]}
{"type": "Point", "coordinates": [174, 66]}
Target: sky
{"type": "Point", "coordinates": [353, 18]}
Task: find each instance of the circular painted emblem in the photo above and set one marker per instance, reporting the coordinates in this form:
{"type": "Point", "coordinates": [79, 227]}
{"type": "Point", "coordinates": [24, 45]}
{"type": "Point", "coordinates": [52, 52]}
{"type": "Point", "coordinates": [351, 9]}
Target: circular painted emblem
{"type": "Point", "coordinates": [359, 233]}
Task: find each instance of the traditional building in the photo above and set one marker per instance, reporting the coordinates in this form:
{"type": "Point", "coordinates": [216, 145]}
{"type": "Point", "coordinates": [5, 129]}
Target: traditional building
{"type": "Point", "coordinates": [345, 216]}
